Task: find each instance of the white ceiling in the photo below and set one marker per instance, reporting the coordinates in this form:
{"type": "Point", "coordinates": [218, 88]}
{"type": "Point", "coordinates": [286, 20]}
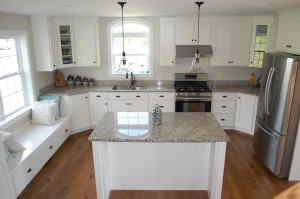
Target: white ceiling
{"type": "Point", "coordinates": [110, 8]}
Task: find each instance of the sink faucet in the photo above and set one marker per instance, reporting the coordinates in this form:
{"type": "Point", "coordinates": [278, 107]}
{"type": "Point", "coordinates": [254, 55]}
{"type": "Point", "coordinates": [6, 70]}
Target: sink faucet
{"type": "Point", "coordinates": [132, 79]}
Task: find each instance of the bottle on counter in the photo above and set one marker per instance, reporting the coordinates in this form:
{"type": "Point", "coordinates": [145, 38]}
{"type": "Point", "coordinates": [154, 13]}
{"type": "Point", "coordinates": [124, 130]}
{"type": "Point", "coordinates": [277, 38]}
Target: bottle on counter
{"type": "Point", "coordinates": [156, 115]}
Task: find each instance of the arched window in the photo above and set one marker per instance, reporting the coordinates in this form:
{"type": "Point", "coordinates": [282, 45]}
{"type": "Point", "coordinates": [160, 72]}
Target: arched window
{"type": "Point", "coordinates": [137, 46]}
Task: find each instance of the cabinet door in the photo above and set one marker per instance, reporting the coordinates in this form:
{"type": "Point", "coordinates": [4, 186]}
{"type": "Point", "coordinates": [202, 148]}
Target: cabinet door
{"type": "Point", "coordinates": [118, 105]}
{"type": "Point", "coordinates": [205, 30]}
{"type": "Point", "coordinates": [241, 42]}
{"type": "Point", "coordinates": [260, 43]}
{"type": "Point", "coordinates": [165, 105]}
{"type": "Point", "coordinates": [86, 43]}
{"type": "Point", "coordinates": [185, 32]}
{"type": "Point", "coordinates": [222, 33]}
{"type": "Point", "coordinates": [66, 43]}
{"type": "Point", "coordinates": [97, 109]}
{"type": "Point", "coordinates": [138, 106]}
{"type": "Point", "coordinates": [80, 112]}
{"type": "Point", "coordinates": [167, 43]}
{"type": "Point", "coordinates": [246, 113]}
{"type": "Point", "coordinates": [284, 34]}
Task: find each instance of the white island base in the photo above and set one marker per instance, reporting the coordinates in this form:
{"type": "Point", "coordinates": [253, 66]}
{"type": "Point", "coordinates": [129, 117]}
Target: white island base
{"type": "Point", "coordinates": [159, 166]}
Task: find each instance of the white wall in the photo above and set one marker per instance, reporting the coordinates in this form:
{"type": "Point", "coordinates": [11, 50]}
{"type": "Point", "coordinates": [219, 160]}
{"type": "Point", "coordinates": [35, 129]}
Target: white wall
{"type": "Point", "coordinates": [22, 22]}
{"type": "Point", "coordinates": [160, 73]}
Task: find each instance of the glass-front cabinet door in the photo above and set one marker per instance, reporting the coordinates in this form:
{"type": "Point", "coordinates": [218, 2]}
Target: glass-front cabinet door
{"type": "Point", "coordinates": [260, 43]}
{"type": "Point", "coordinates": [66, 45]}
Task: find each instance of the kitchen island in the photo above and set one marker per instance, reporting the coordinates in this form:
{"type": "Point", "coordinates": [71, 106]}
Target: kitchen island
{"type": "Point", "coordinates": [185, 152]}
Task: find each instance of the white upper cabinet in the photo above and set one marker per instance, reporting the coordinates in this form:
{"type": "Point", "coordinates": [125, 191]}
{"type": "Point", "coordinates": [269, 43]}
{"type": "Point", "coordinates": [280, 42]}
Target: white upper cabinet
{"type": "Point", "coordinates": [45, 45]}
{"type": "Point", "coordinates": [87, 48]}
{"type": "Point", "coordinates": [288, 39]}
{"type": "Point", "coordinates": [187, 34]}
{"type": "Point", "coordinates": [167, 42]}
{"type": "Point", "coordinates": [261, 33]}
{"type": "Point", "coordinates": [231, 43]}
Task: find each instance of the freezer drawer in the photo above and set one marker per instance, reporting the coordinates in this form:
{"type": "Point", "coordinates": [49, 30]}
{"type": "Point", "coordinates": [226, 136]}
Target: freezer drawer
{"type": "Point", "coordinates": [269, 148]}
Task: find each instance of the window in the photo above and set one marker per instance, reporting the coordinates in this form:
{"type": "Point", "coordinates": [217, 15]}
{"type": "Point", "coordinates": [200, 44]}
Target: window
{"type": "Point", "coordinates": [137, 46]}
{"type": "Point", "coordinates": [15, 75]}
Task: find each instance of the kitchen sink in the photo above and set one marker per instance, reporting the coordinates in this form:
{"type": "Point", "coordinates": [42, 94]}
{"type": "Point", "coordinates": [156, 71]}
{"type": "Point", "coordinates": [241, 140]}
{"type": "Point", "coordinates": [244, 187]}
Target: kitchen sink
{"type": "Point", "coordinates": [129, 87]}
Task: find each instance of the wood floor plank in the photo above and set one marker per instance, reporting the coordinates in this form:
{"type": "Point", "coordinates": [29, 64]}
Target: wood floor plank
{"type": "Point", "coordinates": [69, 174]}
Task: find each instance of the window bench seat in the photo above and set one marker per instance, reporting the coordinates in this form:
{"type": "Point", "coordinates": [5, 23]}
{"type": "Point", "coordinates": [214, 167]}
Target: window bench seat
{"type": "Point", "coordinates": [41, 142]}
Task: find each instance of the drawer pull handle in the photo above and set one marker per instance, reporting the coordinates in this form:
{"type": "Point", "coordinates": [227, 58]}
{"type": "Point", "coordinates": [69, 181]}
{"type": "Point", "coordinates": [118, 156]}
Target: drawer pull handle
{"type": "Point", "coordinates": [138, 96]}
{"type": "Point", "coordinates": [98, 96]}
{"type": "Point", "coordinates": [222, 119]}
{"type": "Point", "coordinates": [66, 130]}
{"type": "Point", "coordinates": [223, 106]}
{"type": "Point", "coordinates": [161, 96]}
{"type": "Point", "coordinates": [51, 147]}
{"type": "Point", "coordinates": [118, 96]}
{"type": "Point", "coordinates": [224, 96]}
{"type": "Point", "coordinates": [86, 97]}
{"type": "Point", "coordinates": [161, 106]}
{"type": "Point", "coordinates": [29, 170]}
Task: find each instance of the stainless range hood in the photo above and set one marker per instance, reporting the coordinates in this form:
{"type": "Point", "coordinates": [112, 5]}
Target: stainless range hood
{"type": "Point", "coordinates": [190, 50]}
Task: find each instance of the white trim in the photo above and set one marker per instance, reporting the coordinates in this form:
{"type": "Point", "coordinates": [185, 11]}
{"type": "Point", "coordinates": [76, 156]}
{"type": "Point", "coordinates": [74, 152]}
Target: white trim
{"type": "Point", "coordinates": [15, 117]}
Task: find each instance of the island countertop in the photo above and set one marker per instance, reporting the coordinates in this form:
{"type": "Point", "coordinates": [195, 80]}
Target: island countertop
{"type": "Point", "coordinates": [175, 127]}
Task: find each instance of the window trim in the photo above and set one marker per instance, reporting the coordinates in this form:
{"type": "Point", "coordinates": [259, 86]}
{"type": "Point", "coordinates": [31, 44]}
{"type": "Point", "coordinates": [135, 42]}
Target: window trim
{"type": "Point", "coordinates": [109, 47]}
{"type": "Point", "coordinates": [26, 72]}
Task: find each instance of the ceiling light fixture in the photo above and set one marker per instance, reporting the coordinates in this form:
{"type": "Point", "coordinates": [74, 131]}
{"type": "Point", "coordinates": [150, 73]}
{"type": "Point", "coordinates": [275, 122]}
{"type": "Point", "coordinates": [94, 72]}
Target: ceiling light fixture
{"type": "Point", "coordinates": [124, 65]}
{"type": "Point", "coordinates": [196, 67]}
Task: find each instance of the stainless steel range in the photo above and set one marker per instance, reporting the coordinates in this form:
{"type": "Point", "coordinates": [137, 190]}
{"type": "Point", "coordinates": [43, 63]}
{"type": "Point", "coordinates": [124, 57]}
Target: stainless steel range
{"type": "Point", "coordinates": [192, 92]}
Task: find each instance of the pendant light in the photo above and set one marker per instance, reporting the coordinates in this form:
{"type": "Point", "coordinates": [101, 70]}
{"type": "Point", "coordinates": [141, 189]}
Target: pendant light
{"type": "Point", "coordinates": [196, 67]}
{"type": "Point", "coordinates": [124, 65]}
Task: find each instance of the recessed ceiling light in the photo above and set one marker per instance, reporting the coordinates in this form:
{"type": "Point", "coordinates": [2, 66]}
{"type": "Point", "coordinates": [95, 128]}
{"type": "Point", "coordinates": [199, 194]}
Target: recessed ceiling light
{"type": "Point", "coordinates": [65, 5]}
{"type": "Point", "coordinates": [262, 5]}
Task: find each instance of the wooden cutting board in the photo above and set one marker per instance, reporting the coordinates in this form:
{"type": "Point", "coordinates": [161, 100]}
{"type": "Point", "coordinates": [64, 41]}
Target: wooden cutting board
{"type": "Point", "coordinates": [59, 78]}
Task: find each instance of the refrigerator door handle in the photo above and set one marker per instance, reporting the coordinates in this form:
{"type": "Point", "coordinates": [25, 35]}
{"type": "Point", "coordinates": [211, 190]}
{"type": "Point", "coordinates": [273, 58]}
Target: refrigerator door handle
{"type": "Point", "coordinates": [274, 136]}
{"type": "Point", "coordinates": [266, 90]}
{"type": "Point", "coordinates": [269, 91]}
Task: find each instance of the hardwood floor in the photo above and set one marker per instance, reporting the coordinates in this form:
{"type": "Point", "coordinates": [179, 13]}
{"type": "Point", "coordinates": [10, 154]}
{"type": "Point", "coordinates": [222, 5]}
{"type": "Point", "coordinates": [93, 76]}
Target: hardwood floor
{"type": "Point", "coordinates": [69, 174]}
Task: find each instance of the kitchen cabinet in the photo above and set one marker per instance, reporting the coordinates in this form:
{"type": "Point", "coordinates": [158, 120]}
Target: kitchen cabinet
{"type": "Point", "coordinates": [167, 42]}
{"type": "Point", "coordinates": [231, 43]}
{"type": "Point", "coordinates": [127, 102]}
{"type": "Point", "coordinates": [98, 106]}
{"type": "Point", "coordinates": [246, 113]}
{"type": "Point", "coordinates": [86, 40]}
{"type": "Point", "coordinates": [80, 112]}
{"type": "Point", "coordinates": [224, 108]}
{"type": "Point", "coordinates": [166, 101]}
{"type": "Point", "coordinates": [45, 43]}
{"type": "Point", "coordinates": [288, 39]}
{"type": "Point", "coordinates": [260, 41]}
{"type": "Point", "coordinates": [187, 33]}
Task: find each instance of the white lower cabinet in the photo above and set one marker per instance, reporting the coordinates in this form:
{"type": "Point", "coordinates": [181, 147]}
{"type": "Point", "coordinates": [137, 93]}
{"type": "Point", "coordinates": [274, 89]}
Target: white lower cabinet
{"type": "Point", "coordinates": [246, 113]}
{"type": "Point", "coordinates": [26, 171]}
{"type": "Point", "coordinates": [127, 102]}
{"type": "Point", "coordinates": [80, 112]}
{"type": "Point", "coordinates": [166, 101]}
{"type": "Point", "coordinates": [224, 108]}
{"type": "Point", "coordinates": [98, 106]}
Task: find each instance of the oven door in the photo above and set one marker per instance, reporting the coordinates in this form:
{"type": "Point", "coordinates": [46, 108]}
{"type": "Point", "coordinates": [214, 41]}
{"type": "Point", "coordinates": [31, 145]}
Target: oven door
{"type": "Point", "coordinates": [189, 104]}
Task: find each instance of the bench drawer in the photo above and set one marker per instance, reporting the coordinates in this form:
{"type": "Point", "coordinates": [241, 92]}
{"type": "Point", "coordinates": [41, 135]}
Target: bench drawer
{"type": "Point", "coordinates": [26, 172]}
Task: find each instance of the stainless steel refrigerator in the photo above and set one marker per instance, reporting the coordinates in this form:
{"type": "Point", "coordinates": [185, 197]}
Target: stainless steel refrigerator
{"type": "Point", "coordinates": [278, 112]}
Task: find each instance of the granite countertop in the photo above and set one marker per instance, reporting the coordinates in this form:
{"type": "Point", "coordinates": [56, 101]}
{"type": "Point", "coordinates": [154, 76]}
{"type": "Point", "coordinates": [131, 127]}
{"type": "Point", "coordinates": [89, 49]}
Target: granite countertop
{"type": "Point", "coordinates": [175, 127]}
{"type": "Point", "coordinates": [236, 88]}
{"type": "Point", "coordinates": [73, 90]}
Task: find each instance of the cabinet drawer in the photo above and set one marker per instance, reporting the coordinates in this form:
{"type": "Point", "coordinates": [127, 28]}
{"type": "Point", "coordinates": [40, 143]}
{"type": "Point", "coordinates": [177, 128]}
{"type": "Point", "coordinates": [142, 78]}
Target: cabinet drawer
{"type": "Point", "coordinates": [162, 96]}
{"type": "Point", "coordinates": [224, 106]}
{"type": "Point", "coordinates": [127, 95]}
{"type": "Point", "coordinates": [116, 95]}
{"type": "Point", "coordinates": [97, 95]}
{"type": "Point", "coordinates": [49, 148]}
{"type": "Point", "coordinates": [224, 96]}
{"type": "Point", "coordinates": [225, 119]}
{"type": "Point", "coordinates": [143, 96]}
{"type": "Point", "coordinates": [26, 171]}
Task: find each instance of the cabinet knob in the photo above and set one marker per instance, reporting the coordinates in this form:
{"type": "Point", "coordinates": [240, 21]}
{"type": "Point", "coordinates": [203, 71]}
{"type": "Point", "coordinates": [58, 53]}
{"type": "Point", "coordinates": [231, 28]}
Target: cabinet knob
{"type": "Point", "coordinates": [53, 65]}
{"type": "Point", "coordinates": [251, 62]}
{"type": "Point", "coordinates": [228, 62]}
{"type": "Point", "coordinates": [98, 95]}
{"type": "Point", "coordinates": [192, 40]}
{"type": "Point", "coordinates": [239, 97]}
{"type": "Point", "coordinates": [232, 62]}
{"type": "Point", "coordinates": [117, 96]}
{"type": "Point", "coordinates": [51, 147]}
{"type": "Point", "coordinates": [172, 62]}
{"type": "Point", "coordinates": [105, 103]}
{"type": "Point", "coordinates": [128, 103]}
{"type": "Point", "coordinates": [86, 97]}
{"type": "Point", "coordinates": [223, 106]}
{"type": "Point", "coordinates": [161, 96]}
{"type": "Point", "coordinates": [138, 96]}
{"type": "Point", "coordinates": [74, 62]}
{"type": "Point", "coordinates": [161, 106]}
{"type": "Point", "coordinates": [66, 130]}
{"type": "Point", "coordinates": [94, 62]}
{"type": "Point", "coordinates": [224, 96]}
{"type": "Point", "coordinates": [222, 119]}
{"type": "Point", "coordinates": [288, 46]}
{"type": "Point", "coordinates": [29, 170]}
